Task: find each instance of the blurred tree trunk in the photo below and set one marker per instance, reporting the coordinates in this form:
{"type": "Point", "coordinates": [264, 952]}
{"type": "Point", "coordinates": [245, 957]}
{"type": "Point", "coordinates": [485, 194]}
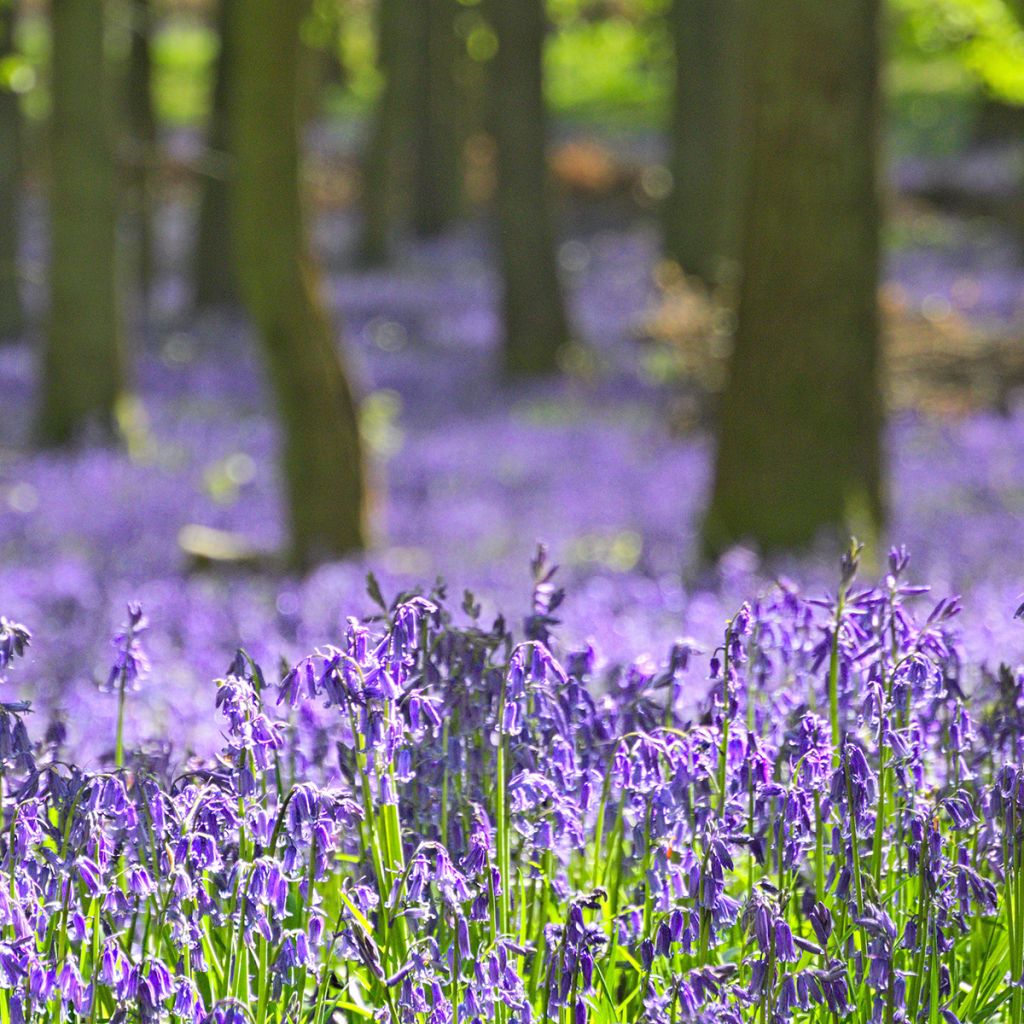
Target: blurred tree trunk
{"type": "Point", "coordinates": [535, 321]}
{"type": "Point", "coordinates": [83, 360]}
{"type": "Point", "coordinates": [213, 273]}
{"type": "Point", "coordinates": [143, 142]}
{"type": "Point", "coordinates": [390, 152]}
{"type": "Point", "coordinates": [437, 188]}
{"type": "Point", "coordinates": [702, 214]}
{"type": "Point", "coordinates": [413, 164]}
{"type": "Point", "coordinates": [800, 429]}
{"type": "Point", "coordinates": [11, 312]}
{"type": "Point", "coordinates": [322, 463]}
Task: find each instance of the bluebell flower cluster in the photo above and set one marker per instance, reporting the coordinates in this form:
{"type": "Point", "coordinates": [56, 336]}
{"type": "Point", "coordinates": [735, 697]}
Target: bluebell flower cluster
{"type": "Point", "coordinates": [433, 821]}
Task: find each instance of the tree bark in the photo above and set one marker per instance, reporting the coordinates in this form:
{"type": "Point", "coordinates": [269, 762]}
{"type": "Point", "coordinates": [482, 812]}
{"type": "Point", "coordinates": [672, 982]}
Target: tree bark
{"type": "Point", "coordinates": [413, 166]}
{"type": "Point", "coordinates": [799, 447]}
{"type": "Point", "coordinates": [535, 321]}
{"type": "Point", "coordinates": [390, 152]}
{"type": "Point", "coordinates": [213, 273]}
{"type": "Point", "coordinates": [322, 463]}
{"type": "Point", "coordinates": [143, 142]}
{"type": "Point", "coordinates": [437, 192]}
{"type": "Point", "coordinates": [11, 311]}
{"type": "Point", "coordinates": [708, 136]}
{"type": "Point", "coordinates": [83, 360]}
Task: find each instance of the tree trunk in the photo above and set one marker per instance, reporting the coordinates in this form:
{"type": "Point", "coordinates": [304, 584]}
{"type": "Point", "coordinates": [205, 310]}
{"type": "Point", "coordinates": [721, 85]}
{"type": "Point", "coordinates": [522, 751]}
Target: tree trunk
{"type": "Point", "coordinates": [390, 152]}
{"type": "Point", "coordinates": [11, 312]}
{"type": "Point", "coordinates": [214, 281]}
{"type": "Point", "coordinates": [322, 464]}
{"type": "Point", "coordinates": [708, 136]}
{"type": "Point", "coordinates": [83, 361]}
{"type": "Point", "coordinates": [143, 142]}
{"type": "Point", "coordinates": [799, 435]}
{"type": "Point", "coordinates": [535, 321]}
{"type": "Point", "coordinates": [437, 188]}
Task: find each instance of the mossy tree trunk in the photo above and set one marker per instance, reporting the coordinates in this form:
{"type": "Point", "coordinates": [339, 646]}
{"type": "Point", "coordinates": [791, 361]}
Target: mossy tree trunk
{"type": "Point", "coordinates": [390, 151]}
{"type": "Point", "coordinates": [143, 141]}
{"type": "Point", "coordinates": [535, 321]}
{"type": "Point", "coordinates": [799, 446]}
{"type": "Point", "coordinates": [212, 269]}
{"type": "Point", "coordinates": [11, 312]}
{"type": "Point", "coordinates": [83, 360]}
{"type": "Point", "coordinates": [708, 136]}
{"type": "Point", "coordinates": [322, 464]}
{"type": "Point", "coordinates": [437, 186]}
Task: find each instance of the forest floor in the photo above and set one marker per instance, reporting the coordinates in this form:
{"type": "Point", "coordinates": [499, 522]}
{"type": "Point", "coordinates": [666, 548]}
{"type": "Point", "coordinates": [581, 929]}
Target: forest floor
{"type": "Point", "coordinates": [608, 466]}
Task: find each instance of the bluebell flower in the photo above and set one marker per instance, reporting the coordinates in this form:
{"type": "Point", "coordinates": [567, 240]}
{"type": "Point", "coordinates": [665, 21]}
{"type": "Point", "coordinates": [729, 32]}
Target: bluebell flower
{"type": "Point", "coordinates": [131, 664]}
{"type": "Point", "coordinates": [14, 641]}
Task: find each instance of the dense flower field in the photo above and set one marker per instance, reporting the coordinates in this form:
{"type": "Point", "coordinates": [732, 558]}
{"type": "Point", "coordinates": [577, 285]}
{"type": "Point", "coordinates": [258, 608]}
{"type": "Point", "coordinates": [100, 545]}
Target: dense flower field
{"type": "Point", "coordinates": [471, 477]}
{"type": "Point", "coordinates": [515, 804]}
{"type": "Point", "coordinates": [442, 818]}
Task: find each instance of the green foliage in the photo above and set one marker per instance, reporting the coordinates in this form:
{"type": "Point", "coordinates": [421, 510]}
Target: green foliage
{"type": "Point", "coordinates": [184, 52]}
{"type": "Point", "coordinates": [985, 36]}
{"type": "Point", "coordinates": [16, 73]}
{"type": "Point", "coordinates": [607, 61]}
{"type": "Point", "coordinates": [610, 62]}
{"type": "Point", "coordinates": [358, 48]}
{"type": "Point", "coordinates": [932, 103]}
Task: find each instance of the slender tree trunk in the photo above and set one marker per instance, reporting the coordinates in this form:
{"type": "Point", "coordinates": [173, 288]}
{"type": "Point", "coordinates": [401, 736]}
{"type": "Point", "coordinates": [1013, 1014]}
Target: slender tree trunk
{"type": "Point", "coordinates": [143, 142]}
{"type": "Point", "coordinates": [213, 273]}
{"type": "Point", "coordinates": [708, 136]}
{"type": "Point", "coordinates": [322, 464]}
{"type": "Point", "coordinates": [11, 312]}
{"type": "Point", "coordinates": [535, 321]}
{"type": "Point", "coordinates": [437, 193]}
{"type": "Point", "coordinates": [413, 165]}
{"type": "Point", "coordinates": [799, 436]}
{"type": "Point", "coordinates": [83, 361]}
{"type": "Point", "coordinates": [390, 152]}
